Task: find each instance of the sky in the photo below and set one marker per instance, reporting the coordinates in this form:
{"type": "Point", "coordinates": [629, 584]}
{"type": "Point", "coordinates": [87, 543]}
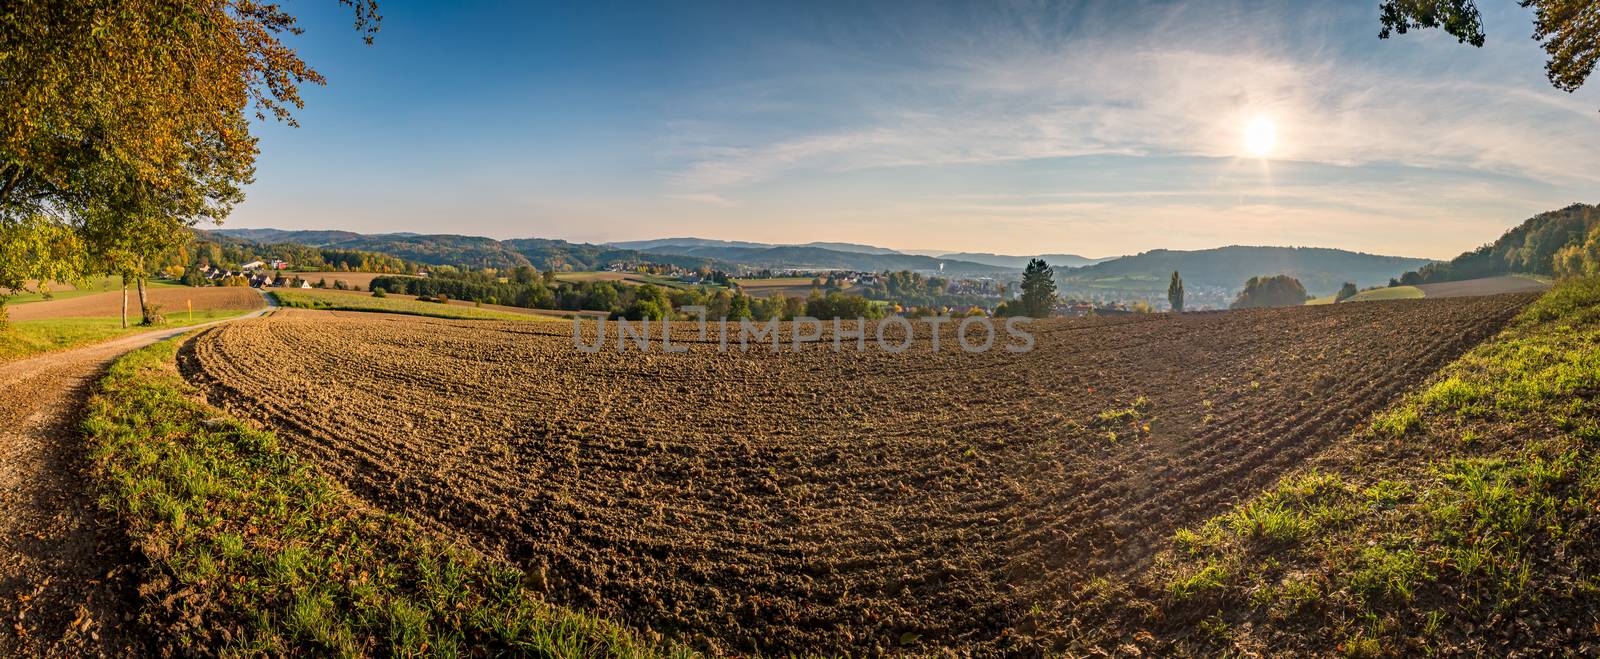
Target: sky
{"type": "Point", "coordinates": [1093, 128]}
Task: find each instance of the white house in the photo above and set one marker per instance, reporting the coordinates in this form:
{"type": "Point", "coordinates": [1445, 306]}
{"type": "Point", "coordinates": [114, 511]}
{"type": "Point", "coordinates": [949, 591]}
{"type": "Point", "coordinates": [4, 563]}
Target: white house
{"type": "Point", "coordinates": [253, 265]}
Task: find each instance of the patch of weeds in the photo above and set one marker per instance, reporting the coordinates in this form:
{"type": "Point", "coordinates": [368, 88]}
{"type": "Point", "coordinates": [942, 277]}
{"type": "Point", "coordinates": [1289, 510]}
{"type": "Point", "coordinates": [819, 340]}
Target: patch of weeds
{"type": "Point", "coordinates": [1134, 419]}
{"type": "Point", "coordinates": [1397, 422]}
{"type": "Point", "coordinates": [1384, 572]}
{"type": "Point", "coordinates": [1209, 576]}
{"type": "Point", "coordinates": [1386, 494]}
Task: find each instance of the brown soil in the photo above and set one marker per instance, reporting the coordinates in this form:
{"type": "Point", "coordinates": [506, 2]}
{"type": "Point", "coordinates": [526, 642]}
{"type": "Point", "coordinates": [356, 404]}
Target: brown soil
{"type": "Point", "coordinates": [1484, 286]}
{"type": "Point", "coordinates": [170, 300]}
{"type": "Point", "coordinates": [828, 502]}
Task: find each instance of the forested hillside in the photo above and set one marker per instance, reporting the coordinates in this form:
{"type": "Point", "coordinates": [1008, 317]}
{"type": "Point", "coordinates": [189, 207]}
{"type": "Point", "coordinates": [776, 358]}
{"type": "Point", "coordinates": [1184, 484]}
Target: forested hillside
{"type": "Point", "coordinates": [471, 252]}
{"type": "Point", "coordinates": [1557, 243]}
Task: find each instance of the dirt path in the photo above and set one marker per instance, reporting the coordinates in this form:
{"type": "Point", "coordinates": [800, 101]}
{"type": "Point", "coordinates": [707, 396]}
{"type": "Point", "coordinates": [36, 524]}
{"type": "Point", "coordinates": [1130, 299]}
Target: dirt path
{"type": "Point", "coordinates": [67, 585]}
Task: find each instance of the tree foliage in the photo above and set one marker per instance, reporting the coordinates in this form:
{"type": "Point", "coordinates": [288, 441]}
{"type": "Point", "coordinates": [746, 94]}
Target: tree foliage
{"type": "Point", "coordinates": [1271, 291]}
{"type": "Point", "coordinates": [1569, 30]}
{"type": "Point", "coordinates": [35, 251]}
{"type": "Point", "coordinates": [1175, 292]}
{"type": "Point", "coordinates": [1346, 292]}
{"type": "Point", "coordinates": [126, 121]}
{"type": "Point", "coordinates": [1038, 289]}
{"type": "Point", "coordinates": [1555, 243]}
{"type": "Point", "coordinates": [841, 305]}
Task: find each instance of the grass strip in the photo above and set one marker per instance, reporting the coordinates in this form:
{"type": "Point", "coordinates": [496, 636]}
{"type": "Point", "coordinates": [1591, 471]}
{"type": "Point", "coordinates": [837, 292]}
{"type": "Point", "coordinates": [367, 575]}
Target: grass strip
{"type": "Point", "coordinates": [1463, 519]}
{"type": "Point", "coordinates": [24, 338]}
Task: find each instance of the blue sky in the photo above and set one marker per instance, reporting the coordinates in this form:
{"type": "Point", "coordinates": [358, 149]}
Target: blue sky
{"type": "Point", "coordinates": [1097, 128]}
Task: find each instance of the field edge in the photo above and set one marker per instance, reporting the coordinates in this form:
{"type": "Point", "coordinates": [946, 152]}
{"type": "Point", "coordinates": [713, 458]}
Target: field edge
{"type": "Point", "coordinates": [1462, 519]}
{"type": "Point", "coordinates": [251, 551]}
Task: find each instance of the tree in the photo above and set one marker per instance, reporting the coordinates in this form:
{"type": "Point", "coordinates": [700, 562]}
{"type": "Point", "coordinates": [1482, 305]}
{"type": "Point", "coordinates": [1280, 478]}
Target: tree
{"type": "Point", "coordinates": [739, 307]}
{"type": "Point", "coordinates": [34, 249]}
{"type": "Point", "coordinates": [1273, 291]}
{"type": "Point", "coordinates": [1038, 289]}
{"type": "Point", "coordinates": [117, 113]}
{"type": "Point", "coordinates": [841, 305]}
{"type": "Point", "coordinates": [1175, 293]}
{"type": "Point", "coordinates": [644, 309]}
{"type": "Point", "coordinates": [1346, 292]}
{"type": "Point", "coordinates": [1569, 30]}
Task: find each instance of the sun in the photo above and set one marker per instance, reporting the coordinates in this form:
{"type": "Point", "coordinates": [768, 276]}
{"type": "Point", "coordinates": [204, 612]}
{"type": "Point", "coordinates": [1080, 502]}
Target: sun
{"type": "Point", "coordinates": [1259, 136]}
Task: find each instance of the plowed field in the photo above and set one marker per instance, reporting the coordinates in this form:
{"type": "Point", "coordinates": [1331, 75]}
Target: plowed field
{"type": "Point", "coordinates": [821, 501]}
{"type": "Point", "coordinates": [170, 300]}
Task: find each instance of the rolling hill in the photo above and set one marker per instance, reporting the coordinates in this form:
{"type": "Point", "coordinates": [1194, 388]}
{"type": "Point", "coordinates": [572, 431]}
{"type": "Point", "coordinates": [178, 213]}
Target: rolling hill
{"type": "Point", "coordinates": [463, 251]}
{"type": "Point", "coordinates": [1321, 270]}
{"type": "Point", "coordinates": [675, 245]}
{"type": "Point", "coordinates": [1020, 262]}
{"type": "Point", "coordinates": [1560, 243]}
{"type": "Point", "coordinates": [806, 257]}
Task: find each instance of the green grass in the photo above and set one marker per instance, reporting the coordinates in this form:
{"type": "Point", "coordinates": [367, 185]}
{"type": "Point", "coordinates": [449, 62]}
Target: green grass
{"type": "Point", "coordinates": [1389, 293]}
{"type": "Point", "coordinates": [253, 553]}
{"type": "Point", "coordinates": [31, 337]}
{"type": "Point", "coordinates": [1118, 282]}
{"type": "Point", "coordinates": [312, 299]}
{"type": "Point", "coordinates": [634, 278]}
{"type": "Point", "coordinates": [1484, 516]}
{"type": "Point", "coordinates": [89, 287]}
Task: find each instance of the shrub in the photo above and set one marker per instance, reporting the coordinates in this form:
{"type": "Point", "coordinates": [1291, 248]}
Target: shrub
{"type": "Point", "coordinates": [1346, 292]}
{"type": "Point", "coordinates": [1273, 291]}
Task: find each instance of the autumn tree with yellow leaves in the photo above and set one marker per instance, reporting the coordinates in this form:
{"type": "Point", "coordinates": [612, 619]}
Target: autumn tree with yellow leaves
{"type": "Point", "coordinates": [123, 123]}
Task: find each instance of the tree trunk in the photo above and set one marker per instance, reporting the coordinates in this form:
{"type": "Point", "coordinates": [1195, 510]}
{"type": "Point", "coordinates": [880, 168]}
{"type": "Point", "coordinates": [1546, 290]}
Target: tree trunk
{"type": "Point", "coordinates": [124, 301]}
{"type": "Point", "coordinates": [144, 303]}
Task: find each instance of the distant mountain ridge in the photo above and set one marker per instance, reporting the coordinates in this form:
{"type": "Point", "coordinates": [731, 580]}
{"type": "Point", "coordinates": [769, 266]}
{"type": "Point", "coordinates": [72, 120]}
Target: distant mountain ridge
{"type": "Point", "coordinates": [1020, 262]}
{"type": "Point", "coordinates": [661, 245]}
{"type": "Point", "coordinates": [1321, 270]}
{"type": "Point", "coordinates": [803, 257]}
{"type": "Point", "coordinates": [465, 251]}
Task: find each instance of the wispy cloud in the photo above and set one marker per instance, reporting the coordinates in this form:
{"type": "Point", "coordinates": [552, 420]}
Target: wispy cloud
{"type": "Point", "coordinates": [1181, 88]}
{"type": "Point", "coordinates": [706, 198]}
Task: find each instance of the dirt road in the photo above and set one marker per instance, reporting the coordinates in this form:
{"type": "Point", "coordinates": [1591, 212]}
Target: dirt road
{"type": "Point", "coordinates": [67, 581]}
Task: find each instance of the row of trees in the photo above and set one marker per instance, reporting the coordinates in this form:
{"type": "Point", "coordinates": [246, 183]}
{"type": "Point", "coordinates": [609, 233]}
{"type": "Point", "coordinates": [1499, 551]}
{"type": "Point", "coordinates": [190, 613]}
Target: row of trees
{"type": "Point", "coordinates": [124, 124]}
{"type": "Point", "coordinates": [526, 287]}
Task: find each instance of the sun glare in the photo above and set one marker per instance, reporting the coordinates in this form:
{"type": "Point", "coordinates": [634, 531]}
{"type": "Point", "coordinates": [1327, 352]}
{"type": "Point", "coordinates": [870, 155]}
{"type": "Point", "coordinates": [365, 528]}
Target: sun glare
{"type": "Point", "coordinates": [1259, 136]}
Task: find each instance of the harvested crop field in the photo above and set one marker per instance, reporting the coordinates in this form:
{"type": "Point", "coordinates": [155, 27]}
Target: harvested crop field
{"type": "Point", "coordinates": [821, 501]}
{"type": "Point", "coordinates": [1485, 286]}
{"type": "Point", "coordinates": [171, 300]}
